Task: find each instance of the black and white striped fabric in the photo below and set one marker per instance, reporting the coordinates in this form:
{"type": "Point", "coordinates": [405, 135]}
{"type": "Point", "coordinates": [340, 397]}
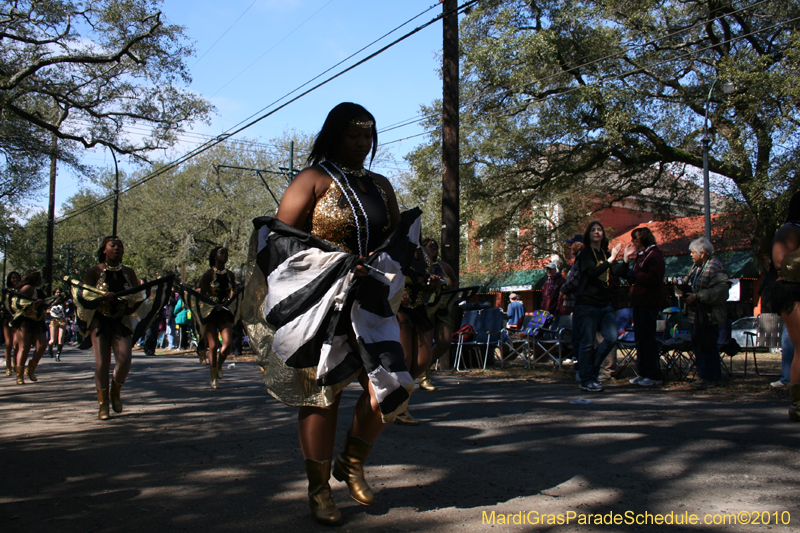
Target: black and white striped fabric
{"type": "Point", "coordinates": [313, 300]}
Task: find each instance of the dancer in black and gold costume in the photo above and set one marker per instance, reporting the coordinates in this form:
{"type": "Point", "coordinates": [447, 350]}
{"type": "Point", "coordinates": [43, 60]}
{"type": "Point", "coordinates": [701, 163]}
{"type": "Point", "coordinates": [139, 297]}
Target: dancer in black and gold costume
{"type": "Point", "coordinates": [217, 284]}
{"type": "Point", "coordinates": [58, 327]}
{"type": "Point", "coordinates": [109, 326]}
{"type": "Point", "coordinates": [416, 327]}
{"type": "Point", "coordinates": [440, 309]}
{"type": "Point", "coordinates": [339, 201]}
{"type": "Point", "coordinates": [12, 282]}
{"type": "Point", "coordinates": [29, 326]}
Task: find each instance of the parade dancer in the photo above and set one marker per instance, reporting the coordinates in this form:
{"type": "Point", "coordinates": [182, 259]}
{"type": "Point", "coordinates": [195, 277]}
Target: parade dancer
{"type": "Point", "coordinates": [321, 302]}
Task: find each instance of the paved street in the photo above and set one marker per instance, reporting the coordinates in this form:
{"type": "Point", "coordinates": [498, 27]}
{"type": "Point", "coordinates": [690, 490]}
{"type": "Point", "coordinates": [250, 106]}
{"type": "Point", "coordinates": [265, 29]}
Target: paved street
{"type": "Point", "coordinates": [184, 457]}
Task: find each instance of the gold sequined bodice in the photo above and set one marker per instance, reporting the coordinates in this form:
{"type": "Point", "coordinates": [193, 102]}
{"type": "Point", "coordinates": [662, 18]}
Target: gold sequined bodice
{"type": "Point", "coordinates": [113, 281]}
{"type": "Point", "coordinates": [333, 221]}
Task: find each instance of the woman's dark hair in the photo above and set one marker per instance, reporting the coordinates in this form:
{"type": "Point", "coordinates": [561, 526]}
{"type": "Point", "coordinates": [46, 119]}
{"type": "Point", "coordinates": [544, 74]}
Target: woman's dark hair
{"type": "Point", "coordinates": [645, 236]}
{"type": "Point", "coordinates": [31, 277]}
{"type": "Point", "coordinates": [101, 251]}
{"type": "Point", "coordinates": [331, 133]}
{"type": "Point", "coordinates": [426, 241]}
{"type": "Point", "coordinates": [588, 242]}
{"type": "Point", "coordinates": [8, 279]}
{"type": "Point", "coordinates": [212, 256]}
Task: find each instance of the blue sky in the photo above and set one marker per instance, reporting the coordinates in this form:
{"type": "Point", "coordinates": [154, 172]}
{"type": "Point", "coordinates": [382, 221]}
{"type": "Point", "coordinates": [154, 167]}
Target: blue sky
{"type": "Point", "coordinates": [278, 45]}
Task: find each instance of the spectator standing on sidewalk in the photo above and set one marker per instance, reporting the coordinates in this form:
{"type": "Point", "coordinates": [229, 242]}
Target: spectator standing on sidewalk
{"type": "Point", "coordinates": [706, 303]}
{"type": "Point", "coordinates": [516, 312]}
{"type": "Point", "coordinates": [593, 304]}
{"type": "Point", "coordinates": [551, 291]}
{"type": "Point", "coordinates": [647, 298]}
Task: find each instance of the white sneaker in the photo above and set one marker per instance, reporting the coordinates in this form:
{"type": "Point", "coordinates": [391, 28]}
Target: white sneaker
{"type": "Point", "coordinates": [647, 382]}
{"type": "Point", "coordinates": [634, 381]}
{"type": "Point", "coordinates": [777, 384]}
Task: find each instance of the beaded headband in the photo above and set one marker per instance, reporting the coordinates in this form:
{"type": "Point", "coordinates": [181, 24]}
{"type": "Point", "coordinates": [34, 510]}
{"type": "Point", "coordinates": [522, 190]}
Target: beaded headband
{"type": "Point", "coordinates": [361, 123]}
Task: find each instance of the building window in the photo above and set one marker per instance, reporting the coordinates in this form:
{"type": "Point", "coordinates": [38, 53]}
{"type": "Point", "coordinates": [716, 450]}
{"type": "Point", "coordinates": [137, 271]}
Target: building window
{"type": "Point", "coordinates": [486, 250]}
{"type": "Point", "coordinates": [512, 245]}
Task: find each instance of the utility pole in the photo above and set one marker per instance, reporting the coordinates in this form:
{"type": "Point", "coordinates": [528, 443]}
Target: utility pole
{"type": "Point", "coordinates": [116, 195]}
{"type": "Point", "coordinates": [51, 214]}
{"type": "Point", "coordinates": [450, 151]}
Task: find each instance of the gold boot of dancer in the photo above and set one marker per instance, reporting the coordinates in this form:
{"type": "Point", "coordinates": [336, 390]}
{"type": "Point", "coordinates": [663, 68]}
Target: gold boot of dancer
{"type": "Point", "coordinates": [220, 362]}
{"type": "Point", "coordinates": [425, 382]}
{"type": "Point", "coordinates": [30, 371]}
{"type": "Point", "coordinates": [20, 374]}
{"type": "Point", "coordinates": [319, 493]}
{"type": "Point", "coordinates": [794, 410]}
{"type": "Point", "coordinates": [349, 467]}
{"type": "Point", "coordinates": [214, 383]}
{"type": "Point", "coordinates": [405, 419]}
{"type": "Point", "coordinates": [8, 367]}
{"type": "Point", "coordinates": [102, 399]}
{"type": "Point", "coordinates": [116, 400]}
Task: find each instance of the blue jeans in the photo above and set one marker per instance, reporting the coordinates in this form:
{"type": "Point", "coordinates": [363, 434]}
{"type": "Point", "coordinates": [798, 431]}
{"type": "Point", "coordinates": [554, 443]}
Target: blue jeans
{"type": "Point", "coordinates": [592, 319]}
{"type": "Point", "coordinates": [709, 365]}
{"type": "Point", "coordinates": [787, 355]}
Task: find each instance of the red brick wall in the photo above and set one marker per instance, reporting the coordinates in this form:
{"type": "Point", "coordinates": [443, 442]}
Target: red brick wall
{"type": "Point", "coordinates": [621, 219]}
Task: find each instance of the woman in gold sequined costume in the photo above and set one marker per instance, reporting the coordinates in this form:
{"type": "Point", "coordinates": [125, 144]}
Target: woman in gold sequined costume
{"type": "Point", "coordinates": [109, 329]}
{"type": "Point", "coordinates": [29, 327]}
{"type": "Point", "coordinates": [315, 203]}
{"type": "Point", "coordinates": [12, 282]}
{"type": "Point", "coordinates": [217, 283]}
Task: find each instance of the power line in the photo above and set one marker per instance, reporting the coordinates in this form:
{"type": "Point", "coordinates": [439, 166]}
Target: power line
{"type": "Point", "coordinates": [224, 33]}
{"type": "Point", "coordinates": [239, 127]}
{"type": "Point", "coordinates": [511, 90]}
{"type": "Point", "coordinates": [270, 49]}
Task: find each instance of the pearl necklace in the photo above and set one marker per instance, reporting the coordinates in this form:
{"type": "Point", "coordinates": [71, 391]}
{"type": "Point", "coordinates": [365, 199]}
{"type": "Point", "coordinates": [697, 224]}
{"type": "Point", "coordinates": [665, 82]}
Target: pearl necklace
{"type": "Point", "coordinates": [109, 268]}
{"type": "Point", "coordinates": [352, 207]}
{"type": "Point", "coordinates": [219, 272]}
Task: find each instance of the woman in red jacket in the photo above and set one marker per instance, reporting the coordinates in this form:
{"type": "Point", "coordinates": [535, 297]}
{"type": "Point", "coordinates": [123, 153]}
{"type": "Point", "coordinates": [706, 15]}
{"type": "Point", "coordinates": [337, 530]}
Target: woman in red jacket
{"type": "Point", "coordinates": [647, 297]}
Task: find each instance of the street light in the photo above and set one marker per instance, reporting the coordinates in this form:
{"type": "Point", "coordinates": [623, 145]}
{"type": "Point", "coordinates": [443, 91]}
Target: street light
{"type": "Point", "coordinates": [727, 88]}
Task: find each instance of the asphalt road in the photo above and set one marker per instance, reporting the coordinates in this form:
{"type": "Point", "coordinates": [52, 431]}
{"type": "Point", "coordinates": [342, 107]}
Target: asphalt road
{"type": "Point", "coordinates": [184, 457]}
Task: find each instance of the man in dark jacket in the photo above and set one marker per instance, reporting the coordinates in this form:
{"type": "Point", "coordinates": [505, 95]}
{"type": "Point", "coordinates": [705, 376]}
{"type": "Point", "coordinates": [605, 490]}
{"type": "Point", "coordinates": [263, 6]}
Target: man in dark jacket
{"type": "Point", "coordinates": [647, 298]}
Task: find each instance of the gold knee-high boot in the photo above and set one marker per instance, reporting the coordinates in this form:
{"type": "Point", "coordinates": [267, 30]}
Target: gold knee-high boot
{"type": "Point", "coordinates": [794, 410]}
{"type": "Point", "coordinates": [319, 493]}
{"type": "Point", "coordinates": [20, 370]}
{"type": "Point", "coordinates": [349, 467]}
{"type": "Point", "coordinates": [31, 369]}
{"type": "Point", "coordinates": [116, 400]}
{"type": "Point", "coordinates": [102, 399]}
{"type": "Point", "coordinates": [214, 384]}
{"type": "Point", "coordinates": [425, 382]}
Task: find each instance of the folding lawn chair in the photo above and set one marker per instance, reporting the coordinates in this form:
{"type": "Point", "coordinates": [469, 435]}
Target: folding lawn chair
{"type": "Point", "coordinates": [626, 346]}
{"type": "Point", "coordinates": [767, 336]}
{"type": "Point", "coordinates": [488, 326]}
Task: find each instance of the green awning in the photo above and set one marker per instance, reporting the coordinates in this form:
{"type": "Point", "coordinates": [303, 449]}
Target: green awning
{"type": "Point", "coordinates": [738, 264]}
{"type": "Point", "coordinates": [519, 280]}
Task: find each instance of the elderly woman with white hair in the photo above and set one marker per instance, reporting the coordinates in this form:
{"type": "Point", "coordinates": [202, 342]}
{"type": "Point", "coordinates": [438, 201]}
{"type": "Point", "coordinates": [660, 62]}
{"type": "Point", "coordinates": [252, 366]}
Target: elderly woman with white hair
{"type": "Point", "coordinates": [706, 306]}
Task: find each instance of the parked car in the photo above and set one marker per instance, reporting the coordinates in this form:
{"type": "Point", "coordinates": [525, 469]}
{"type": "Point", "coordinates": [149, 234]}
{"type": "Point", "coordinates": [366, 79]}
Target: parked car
{"type": "Point", "coordinates": [742, 326]}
